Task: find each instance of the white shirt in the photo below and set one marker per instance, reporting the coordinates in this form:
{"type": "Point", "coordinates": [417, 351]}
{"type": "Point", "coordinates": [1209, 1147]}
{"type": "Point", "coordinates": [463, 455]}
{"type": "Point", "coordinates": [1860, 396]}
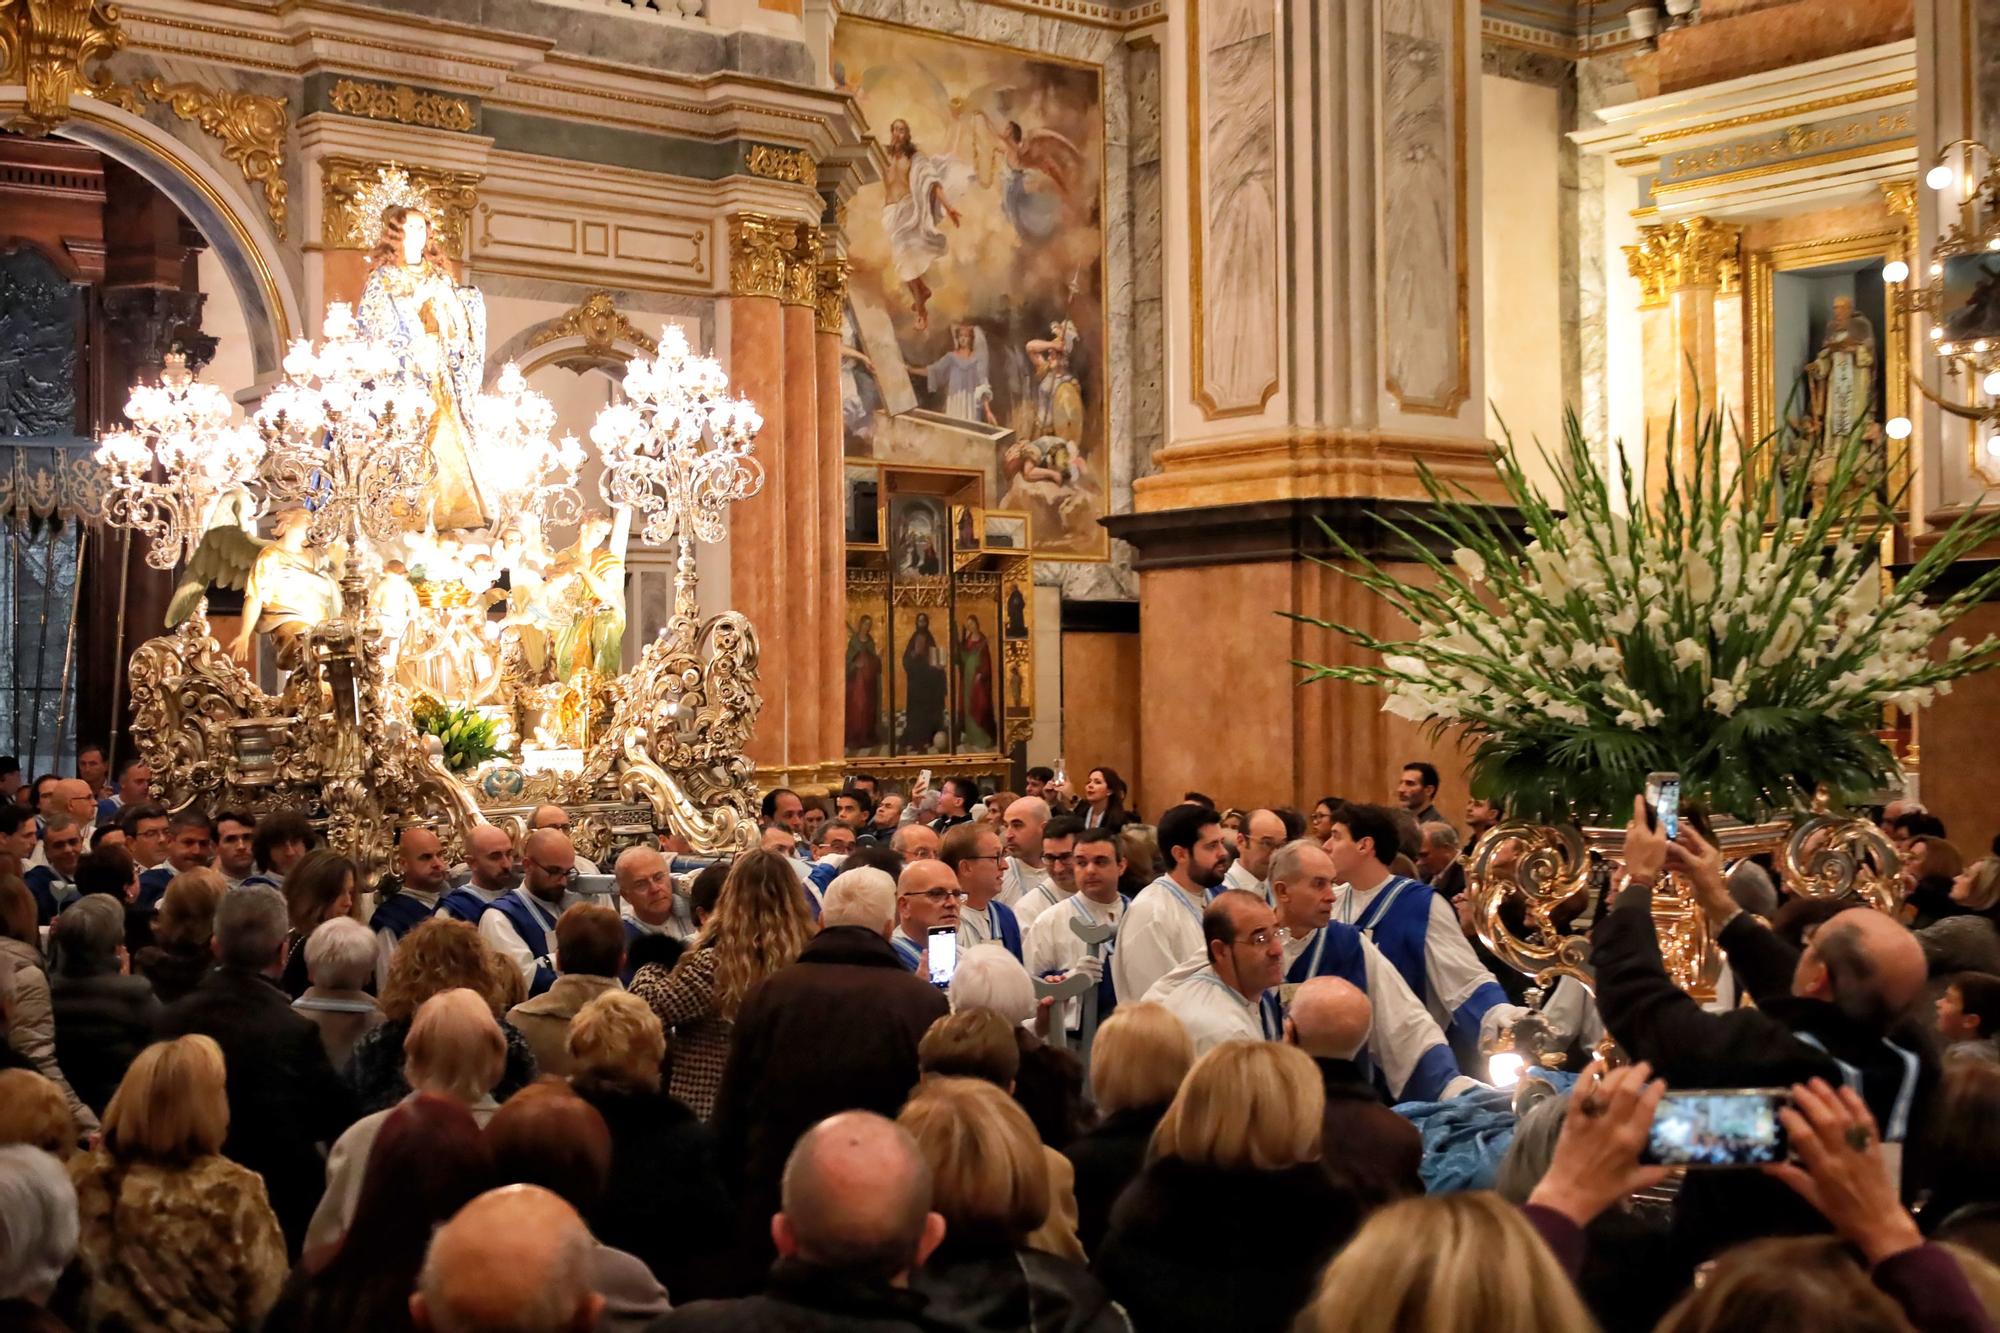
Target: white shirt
{"type": "Point", "coordinates": [1239, 878]}
{"type": "Point", "coordinates": [679, 924]}
{"type": "Point", "coordinates": [1400, 1029]}
{"type": "Point", "coordinates": [978, 925]}
{"type": "Point", "coordinates": [1161, 931]}
{"type": "Point", "coordinates": [1452, 972]}
{"type": "Point", "coordinates": [1018, 879]}
{"type": "Point", "coordinates": [386, 940]}
{"type": "Point", "coordinates": [1050, 946]}
{"type": "Point", "coordinates": [498, 931]}
{"type": "Point", "coordinates": [1209, 1007]}
{"type": "Point", "coordinates": [1039, 898]}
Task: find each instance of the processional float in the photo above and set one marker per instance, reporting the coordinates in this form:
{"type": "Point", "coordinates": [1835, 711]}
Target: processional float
{"type": "Point", "coordinates": [441, 663]}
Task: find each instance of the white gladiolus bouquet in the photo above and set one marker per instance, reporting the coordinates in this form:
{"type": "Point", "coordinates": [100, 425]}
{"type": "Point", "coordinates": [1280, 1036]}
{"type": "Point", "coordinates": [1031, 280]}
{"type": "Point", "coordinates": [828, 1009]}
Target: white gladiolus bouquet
{"type": "Point", "coordinates": [1742, 633]}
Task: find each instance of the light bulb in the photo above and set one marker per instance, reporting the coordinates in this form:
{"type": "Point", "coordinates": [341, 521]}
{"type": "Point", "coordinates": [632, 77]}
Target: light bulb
{"type": "Point", "coordinates": [1991, 384]}
{"type": "Point", "coordinates": [1940, 177]}
{"type": "Point", "coordinates": [1503, 1069]}
{"type": "Point", "coordinates": [1895, 271]}
{"type": "Point", "coordinates": [1937, 332]}
{"type": "Point", "coordinates": [1898, 428]}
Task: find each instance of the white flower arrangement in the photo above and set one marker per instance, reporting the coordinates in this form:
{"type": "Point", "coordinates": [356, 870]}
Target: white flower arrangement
{"type": "Point", "coordinates": [1741, 634]}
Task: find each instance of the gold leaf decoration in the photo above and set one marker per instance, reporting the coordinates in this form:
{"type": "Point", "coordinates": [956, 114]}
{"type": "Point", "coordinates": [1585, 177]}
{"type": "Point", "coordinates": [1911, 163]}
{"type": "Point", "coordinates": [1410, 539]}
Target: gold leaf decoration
{"type": "Point", "coordinates": [600, 324]}
{"type": "Point", "coordinates": [401, 103]}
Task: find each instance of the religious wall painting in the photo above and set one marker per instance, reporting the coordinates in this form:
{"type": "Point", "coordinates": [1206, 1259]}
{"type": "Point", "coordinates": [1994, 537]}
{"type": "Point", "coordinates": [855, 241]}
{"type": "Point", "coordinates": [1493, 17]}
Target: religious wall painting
{"type": "Point", "coordinates": [965, 522]}
{"type": "Point", "coordinates": [1425, 313]}
{"type": "Point", "coordinates": [976, 653]}
{"type": "Point", "coordinates": [1233, 204]}
{"type": "Point", "coordinates": [1016, 612]}
{"type": "Point", "coordinates": [1970, 307]}
{"type": "Point", "coordinates": [1006, 532]}
{"type": "Point", "coordinates": [975, 333]}
{"type": "Point", "coordinates": [868, 722]}
{"type": "Point", "coordinates": [861, 502]}
{"type": "Point", "coordinates": [919, 538]}
{"type": "Point", "coordinates": [922, 670]}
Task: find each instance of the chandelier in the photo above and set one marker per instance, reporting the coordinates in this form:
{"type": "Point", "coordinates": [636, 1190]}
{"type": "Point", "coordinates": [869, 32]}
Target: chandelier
{"type": "Point", "coordinates": [345, 436]}
{"type": "Point", "coordinates": [530, 474]}
{"type": "Point", "coordinates": [182, 425]}
{"type": "Point", "coordinates": [678, 451]}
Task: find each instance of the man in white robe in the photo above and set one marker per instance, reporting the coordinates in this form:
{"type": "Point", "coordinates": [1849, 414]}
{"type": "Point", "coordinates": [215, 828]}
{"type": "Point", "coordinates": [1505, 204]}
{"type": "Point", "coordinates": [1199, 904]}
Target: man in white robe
{"type": "Point", "coordinates": [1262, 834]}
{"type": "Point", "coordinates": [1059, 867]}
{"type": "Point", "coordinates": [1054, 948]}
{"type": "Point", "coordinates": [1226, 992]}
{"type": "Point", "coordinates": [1021, 831]}
{"type": "Point", "coordinates": [1163, 928]}
{"type": "Point", "coordinates": [918, 189]}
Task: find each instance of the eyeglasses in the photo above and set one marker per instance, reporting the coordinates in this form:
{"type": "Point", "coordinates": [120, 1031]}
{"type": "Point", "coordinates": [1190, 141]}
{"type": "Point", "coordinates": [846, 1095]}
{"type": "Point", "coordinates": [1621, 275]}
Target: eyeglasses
{"type": "Point", "coordinates": [1268, 844]}
{"type": "Point", "coordinates": [568, 875]}
{"type": "Point", "coordinates": [997, 857]}
{"type": "Point", "coordinates": [1054, 858]}
{"type": "Point", "coordinates": [941, 895]}
{"type": "Point", "coordinates": [1261, 939]}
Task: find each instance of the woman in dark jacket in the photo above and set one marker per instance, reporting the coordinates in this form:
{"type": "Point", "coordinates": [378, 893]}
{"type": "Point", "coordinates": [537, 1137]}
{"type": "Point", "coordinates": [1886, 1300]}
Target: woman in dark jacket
{"type": "Point", "coordinates": [180, 954]}
{"type": "Point", "coordinates": [104, 1017]}
{"type": "Point", "coordinates": [659, 1152]}
{"type": "Point", "coordinates": [1231, 1221]}
{"type": "Point", "coordinates": [1137, 1062]}
{"type": "Point", "coordinates": [990, 1183]}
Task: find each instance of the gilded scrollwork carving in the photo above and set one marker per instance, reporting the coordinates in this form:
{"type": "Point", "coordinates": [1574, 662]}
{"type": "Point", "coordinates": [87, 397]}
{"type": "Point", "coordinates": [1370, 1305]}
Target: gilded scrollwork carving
{"type": "Point", "coordinates": [1540, 867]}
{"type": "Point", "coordinates": [49, 46]}
{"type": "Point", "coordinates": [782, 164]}
{"type": "Point", "coordinates": [250, 126]}
{"type": "Point", "coordinates": [1830, 856]}
{"type": "Point", "coordinates": [600, 323]}
{"type": "Point", "coordinates": [830, 296]}
{"type": "Point", "coordinates": [349, 182]}
{"type": "Point", "coordinates": [759, 255]}
{"type": "Point", "coordinates": [400, 103]}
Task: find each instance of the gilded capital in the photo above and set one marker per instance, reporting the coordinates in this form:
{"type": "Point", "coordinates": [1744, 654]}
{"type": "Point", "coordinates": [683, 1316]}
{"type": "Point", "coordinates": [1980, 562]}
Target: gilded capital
{"type": "Point", "coordinates": [830, 307]}
{"type": "Point", "coordinates": [802, 268]}
{"type": "Point", "coordinates": [352, 217]}
{"type": "Point", "coordinates": [1901, 197]}
{"type": "Point", "coordinates": [760, 248]}
{"type": "Point", "coordinates": [1675, 256]}
{"type": "Point", "coordinates": [46, 45]}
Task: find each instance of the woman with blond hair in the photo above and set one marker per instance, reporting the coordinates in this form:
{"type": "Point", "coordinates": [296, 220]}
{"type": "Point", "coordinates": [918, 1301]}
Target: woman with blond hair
{"type": "Point", "coordinates": [174, 1235]}
{"type": "Point", "coordinates": [454, 1050]}
{"type": "Point", "coordinates": [439, 955]}
{"type": "Point", "coordinates": [659, 1150]}
{"type": "Point", "coordinates": [33, 1111]}
{"type": "Point", "coordinates": [318, 889]}
{"type": "Point", "coordinates": [991, 1185]}
{"type": "Point", "coordinates": [179, 955]}
{"type": "Point", "coordinates": [1137, 1062]}
{"type": "Point", "coordinates": [1229, 1222]}
{"type": "Point", "coordinates": [759, 925]}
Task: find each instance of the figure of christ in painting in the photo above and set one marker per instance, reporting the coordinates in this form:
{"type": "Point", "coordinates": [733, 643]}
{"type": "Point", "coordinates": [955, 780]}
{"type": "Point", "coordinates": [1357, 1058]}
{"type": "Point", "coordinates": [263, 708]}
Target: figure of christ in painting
{"type": "Point", "coordinates": [961, 376]}
{"type": "Point", "coordinates": [977, 728]}
{"type": "Point", "coordinates": [864, 688]}
{"type": "Point", "coordinates": [918, 189]}
{"type": "Point", "coordinates": [924, 680]}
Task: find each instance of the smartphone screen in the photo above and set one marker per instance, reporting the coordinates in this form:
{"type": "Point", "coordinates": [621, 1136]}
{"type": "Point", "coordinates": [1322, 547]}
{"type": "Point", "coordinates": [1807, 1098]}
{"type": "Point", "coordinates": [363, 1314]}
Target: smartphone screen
{"type": "Point", "coordinates": [1663, 798]}
{"type": "Point", "coordinates": [1735, 1127]}
{"type": "Point", "coordinates": [944, 954]}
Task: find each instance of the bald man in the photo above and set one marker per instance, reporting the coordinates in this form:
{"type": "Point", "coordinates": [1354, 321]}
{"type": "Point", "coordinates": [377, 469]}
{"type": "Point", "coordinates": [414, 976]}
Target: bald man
{"type": "Point", "coordinates": [1839, 1010]}
{"type": "Point", "coordinates": [1262, 834]}
{"type": "Point", "coordinates": [422, 875]}
{"type": "Point", "coordinates": [650, 906]}
{"type": "Point", "coordinates": [557, 818]}
{"type": "Point", "coordinates": [1369, 1147]}
{"type": "Point", "coordinates": [857, 1210]}
{"type": "Point", "coordinates": [927, 897]}
{"type": "Point", "coordinates": [1228, 992]}
{"type": "Point", "coordinates": [518, 1259]}
{"type": "Point", "coordinates": [1024, 873]}
{"type": "Point", "coordinates": [489, 859]}
{"type": "Point", "coordinates": [916, 842]}
{"type": "Point", "coordinates": [521, 924]}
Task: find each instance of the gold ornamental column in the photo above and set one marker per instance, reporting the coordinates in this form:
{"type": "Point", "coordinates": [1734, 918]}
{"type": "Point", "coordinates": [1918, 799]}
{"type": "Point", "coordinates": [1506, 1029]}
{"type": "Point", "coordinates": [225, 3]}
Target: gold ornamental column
{"type": "Point", "coordinates": [758, 546]}
{"type": "Point", "coordinates": [828, 312]}
{"type": "Point", "coordinates": [1691, 320]}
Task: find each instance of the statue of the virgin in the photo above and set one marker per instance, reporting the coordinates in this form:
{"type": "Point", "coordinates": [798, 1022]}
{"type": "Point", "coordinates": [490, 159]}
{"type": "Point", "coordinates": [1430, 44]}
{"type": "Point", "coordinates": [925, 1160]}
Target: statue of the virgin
{"type": "Point", "coordinates": [438, 328]}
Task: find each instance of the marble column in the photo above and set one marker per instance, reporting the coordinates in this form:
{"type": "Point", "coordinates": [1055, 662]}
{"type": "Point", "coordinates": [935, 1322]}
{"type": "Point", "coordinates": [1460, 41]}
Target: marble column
{"type": "Point", "coordinates": [1326, 341]}
{"type": "Point", "coordinates": [1691, 319]}
{"type": "Point", "coordinates": [810, 588]}
{"type": "Point", "coordinates": [832, 297]}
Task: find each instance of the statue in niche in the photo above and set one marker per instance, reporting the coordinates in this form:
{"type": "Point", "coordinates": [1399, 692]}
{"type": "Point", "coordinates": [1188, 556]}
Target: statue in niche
{"type": "Point", "coordinates": [438, 329]}
{"type": "Point", "coordinates": [1839, 401]}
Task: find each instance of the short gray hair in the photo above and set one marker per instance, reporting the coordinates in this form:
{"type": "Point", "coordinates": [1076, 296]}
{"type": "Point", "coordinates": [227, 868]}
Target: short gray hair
{"type": "Point", "coordinates": [1533, 1148]}
{"type": "Point", "coordinates": [88, 934]}
{"type": "Point", "coordinates": [863, 896]}
{"type": "Point", "coordinates": [340, 953]}
{"type": "Point", "coordinates": [1437, 833]}
{"type": "Point", "coordinates": [1284, 867]}
{"type": "Point", "coordinates": [250, 926]}
{"type": "Point", "coordinates": [989, 977]}
{"type": "Point", "coordinates": [38, 1218]}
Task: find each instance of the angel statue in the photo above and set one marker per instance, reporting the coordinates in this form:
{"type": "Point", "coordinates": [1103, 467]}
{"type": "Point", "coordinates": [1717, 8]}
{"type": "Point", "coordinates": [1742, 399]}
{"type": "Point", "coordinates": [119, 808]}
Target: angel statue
{"type": "Point", "coordinates": [438, 328]}
{"type": "Point", "coordinates": [284, 592]}
{"type": "Point", "coordinates": [592, 580]}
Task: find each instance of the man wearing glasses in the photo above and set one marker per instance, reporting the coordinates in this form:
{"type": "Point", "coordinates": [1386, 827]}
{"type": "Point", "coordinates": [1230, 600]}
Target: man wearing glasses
{"type": "Point", "coordinates": [522, 923]}
{"type": "Point", "coordinates": [557, 818]}
{"type": "Point", "coordinates": [927, 897]}
{"type": "Point", "coordinates": [1262, 834]}
{"type": "Point", "coordinates": [973, 853]}
{"type": "Point", "coordinates": [1059, 864]}
{"type": "Point", "coordinates": [1225, 993]}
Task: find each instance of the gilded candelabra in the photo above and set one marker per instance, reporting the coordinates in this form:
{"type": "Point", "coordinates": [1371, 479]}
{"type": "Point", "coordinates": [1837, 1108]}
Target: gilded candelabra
{"type": "Point", "coordinates": [182, 426]}
{"type": "Point", "coordinates": [531, 474]}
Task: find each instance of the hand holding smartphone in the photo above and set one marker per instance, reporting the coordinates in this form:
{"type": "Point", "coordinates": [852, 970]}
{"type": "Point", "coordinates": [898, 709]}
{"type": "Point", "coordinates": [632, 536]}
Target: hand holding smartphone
{"type": "Point", "coordinates": [1663, 803]}
{"type": "Point", "coordinates": [943, 946]}
{"type": "Point", "coordinates": [1718, 1128]}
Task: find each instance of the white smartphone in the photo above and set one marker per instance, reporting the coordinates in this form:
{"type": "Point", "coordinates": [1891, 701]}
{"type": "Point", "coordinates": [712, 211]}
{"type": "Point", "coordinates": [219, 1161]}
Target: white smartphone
{"type": "Point", "coordinates": [1663, 803]}
{"type": "Point", "coordinates": [943, 954]}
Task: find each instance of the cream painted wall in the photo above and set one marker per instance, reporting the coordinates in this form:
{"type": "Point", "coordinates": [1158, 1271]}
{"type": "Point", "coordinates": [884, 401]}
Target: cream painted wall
{"type": "Point", "coordinates": [1624, 364]}
{"type": "Point", "coordinates": [1521, 134]}
{"type": "Point", "coordinates": [233, 370]}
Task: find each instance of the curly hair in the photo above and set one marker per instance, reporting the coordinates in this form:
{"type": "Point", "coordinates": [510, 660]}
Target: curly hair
{"type": "Point", "coordinates": [440, 955]}
{"type": "Point", "coordinates": [390, 248]}
{"type": "Point", "coordinates": [760, 924]}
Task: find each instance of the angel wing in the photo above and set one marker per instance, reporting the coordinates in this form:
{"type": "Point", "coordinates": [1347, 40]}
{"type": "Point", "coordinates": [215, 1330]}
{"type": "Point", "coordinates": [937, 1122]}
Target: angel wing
{"type": "Point", "coordinates": [222, 559]}
{"type": "Point", "coordinates": [1053, 154]}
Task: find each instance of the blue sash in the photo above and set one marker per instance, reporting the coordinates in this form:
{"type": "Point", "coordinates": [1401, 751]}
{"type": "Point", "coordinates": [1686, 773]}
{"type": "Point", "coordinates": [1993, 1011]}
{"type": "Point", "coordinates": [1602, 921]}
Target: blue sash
{"type": "Point", "coordinates": [50, 896]}
{"type": "Point", "coordinates": [464, 903]}
{"type": "Point", "coordinates": [908, 952]}
{"type": "Point", "coordinates": [1107, 993]}
{"type": "Point", "coordinates": [1336, 952]}
{"type": "Point", "coordinates": [1004, 927]}
{"type": "Point", "coordinates": [153, 885]}
{"type": "Point", "coordinates": [1270, 1018]}
{"type": "Point", "coordinates": [400, 915]}
{"type": "Point", "coordinates": [533, 929]}
{"type": "Point", "coordinates": [1398, 921]}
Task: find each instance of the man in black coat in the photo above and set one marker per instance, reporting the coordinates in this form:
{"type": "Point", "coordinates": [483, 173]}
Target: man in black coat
{"type": "Point", "coordinates": [835, 1031]}
{"type": "Point", "coordinates": [856, 1222]}
{"type": "Point", "coordinates": [285, 1101]}
{"type": "Point", "coordinates": [1837, 1011]}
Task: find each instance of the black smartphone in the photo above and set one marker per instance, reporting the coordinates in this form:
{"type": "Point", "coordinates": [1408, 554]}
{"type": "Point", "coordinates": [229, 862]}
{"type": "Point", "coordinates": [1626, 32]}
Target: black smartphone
{"type": "Point", "coordinates": [1711, 1128]}
{"type": "Point", "coordinates": [1663, 803]}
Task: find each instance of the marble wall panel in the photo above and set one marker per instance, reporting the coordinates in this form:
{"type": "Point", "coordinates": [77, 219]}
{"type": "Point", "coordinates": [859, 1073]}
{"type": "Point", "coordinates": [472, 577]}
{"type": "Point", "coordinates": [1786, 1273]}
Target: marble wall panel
{"type": "Point", "coordinates": [1422, 221]}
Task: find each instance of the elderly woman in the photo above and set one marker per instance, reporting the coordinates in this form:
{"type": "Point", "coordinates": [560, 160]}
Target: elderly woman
{"type": "Point", "coordinates": [174, 1235]}
{"type": "Point", "coordinates": [180, 954]}
{"type": "Point", "coordinates": [1241, 1140]}
{"type": "Point", "coordinates": [340, 957]}
{"type": "Point", "coordinates": [659, 1150]}
{"type": "Point", "coordinates": [1049, 1086]}
{"type": "Point", "coordinates": [24, 988]}
{"type": "Point", "coordinates": [437, 956]}
{"type": "Point", "coordinates": [989, 1184]}
{"type": "Point", "coordinates": [454, 1050]}
{"type": "Point", "coordinates": [318, 889]}
{"type": "Point", "coordinates": [104, 1017]}
{"type": "Point", "coordinates": [38, 1218]}
{"type": "Point", "coordinates": [1137, 1062]}
{"type": "Point", "coordinates": [33, 1111]}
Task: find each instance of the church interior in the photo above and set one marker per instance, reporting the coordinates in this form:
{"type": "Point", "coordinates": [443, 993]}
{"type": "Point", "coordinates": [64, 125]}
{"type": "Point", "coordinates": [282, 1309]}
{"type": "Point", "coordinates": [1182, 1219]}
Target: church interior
{"type": "Point", "coordinates": [912, 387]}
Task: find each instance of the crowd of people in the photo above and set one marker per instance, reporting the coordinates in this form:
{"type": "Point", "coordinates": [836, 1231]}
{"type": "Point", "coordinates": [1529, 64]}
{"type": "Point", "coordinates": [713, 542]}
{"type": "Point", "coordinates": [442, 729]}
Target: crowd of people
{"type": "Point", "coordinates": [957, 1059]}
